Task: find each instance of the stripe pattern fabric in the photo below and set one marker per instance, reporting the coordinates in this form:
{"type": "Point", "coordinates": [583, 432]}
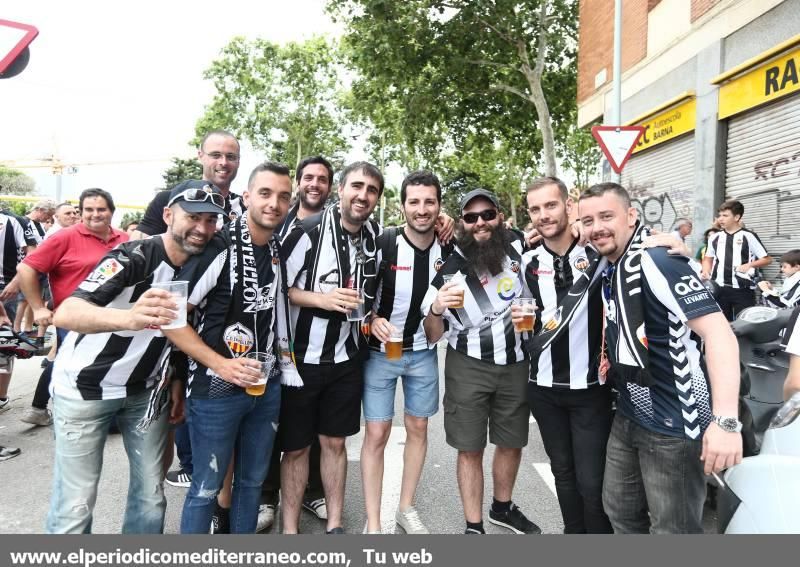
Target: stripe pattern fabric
{"type": "Point", "coordinates": [734, 249]}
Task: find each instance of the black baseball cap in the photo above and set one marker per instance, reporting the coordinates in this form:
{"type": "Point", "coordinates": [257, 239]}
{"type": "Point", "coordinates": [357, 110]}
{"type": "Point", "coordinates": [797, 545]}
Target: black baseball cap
{"type": "Point", "coordinates": [485, 193]}
{"type": "Point", "coordinates": [192, 202]}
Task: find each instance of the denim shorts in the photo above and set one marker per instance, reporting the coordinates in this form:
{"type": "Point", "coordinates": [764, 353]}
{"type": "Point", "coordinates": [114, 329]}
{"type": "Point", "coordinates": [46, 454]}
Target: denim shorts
{"type": "Point", "coordinates": [420, 372]}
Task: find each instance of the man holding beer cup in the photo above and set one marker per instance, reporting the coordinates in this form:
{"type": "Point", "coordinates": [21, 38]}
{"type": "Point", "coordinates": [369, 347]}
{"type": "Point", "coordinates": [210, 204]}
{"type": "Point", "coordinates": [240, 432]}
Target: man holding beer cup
{"type": "Point", "coordinates": [486, 370]}
{"type": "Point", "coordinates": [234, 393]}
{"type": "Point", "coordinates": [409, 257]}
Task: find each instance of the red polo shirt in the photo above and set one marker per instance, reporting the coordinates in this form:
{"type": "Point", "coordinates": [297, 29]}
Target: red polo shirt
{"type": "Point", "coordinates": [69, 255]}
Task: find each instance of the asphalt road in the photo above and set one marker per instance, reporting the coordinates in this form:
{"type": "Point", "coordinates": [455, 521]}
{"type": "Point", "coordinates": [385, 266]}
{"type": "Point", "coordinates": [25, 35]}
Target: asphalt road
{"type": "Point", "coordinates": [25, 481]}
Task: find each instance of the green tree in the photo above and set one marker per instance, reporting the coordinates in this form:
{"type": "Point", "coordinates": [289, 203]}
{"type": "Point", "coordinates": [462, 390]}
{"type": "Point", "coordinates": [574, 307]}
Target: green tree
{"type": "Point", "coordinates": [580, 154]}
{"type": "Point", "coordinates": [131, 217]}
{"type": "Point", "coordinates": [180, 170]}
{"type": "Point", "coordinates": [465, 72]}
{"type": "Point", "coordinates": [285, 99]}
{"type": "Point", "coordinates": [14, 182]}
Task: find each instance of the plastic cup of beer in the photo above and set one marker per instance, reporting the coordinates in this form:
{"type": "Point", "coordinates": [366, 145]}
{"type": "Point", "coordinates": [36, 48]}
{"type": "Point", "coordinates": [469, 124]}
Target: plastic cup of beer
{"type": "Point", "coordinates": [394, 346]}
{"type": "Point", "coordinates": [266, 361]}
{"type": "Point", "coordinates": [458, 280]}
{"type": "Point", "coordinates": [357, 314]}
{"type": "Point", "coordinates": [528, 307]}
{"type": "Point", "coordinates": [179, 290]}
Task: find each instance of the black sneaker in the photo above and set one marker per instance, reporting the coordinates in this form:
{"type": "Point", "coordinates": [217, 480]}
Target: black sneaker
{"type": "Point", "coordinates": [221, 521]}
{"type": "Point", "coordinates": [473, 531]}
{"type": "Point", "coordinates": [8, 452]}
{"type": "Point", "coordinates": [514, 520]}
{"type": "Point", "coordinates": [335, 531]}
{"type": "Point", "coordinates": [179, 478]}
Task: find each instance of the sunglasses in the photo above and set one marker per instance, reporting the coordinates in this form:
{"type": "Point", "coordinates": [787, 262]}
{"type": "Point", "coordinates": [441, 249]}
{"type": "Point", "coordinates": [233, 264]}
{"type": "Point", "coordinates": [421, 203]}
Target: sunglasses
{"type": "Point", "coordinates": [198, 196]}
{"type": "Point", "coordinates": [560, 276]}
{"type": "Point", "coordinates": [487, 215]}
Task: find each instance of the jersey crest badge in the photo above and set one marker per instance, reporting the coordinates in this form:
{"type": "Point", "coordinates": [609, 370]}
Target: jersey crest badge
{"type": "Point", "coordinates": [437, 265]}
{"type": "Point", "coordinates": [581, 263]}
{"type": "Point", "coordinates": [239, 339]}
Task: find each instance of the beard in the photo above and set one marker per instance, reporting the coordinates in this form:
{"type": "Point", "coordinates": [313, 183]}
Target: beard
{"type": "Point", "coordinates": [487, 255]}
{"type": "Point", "coordinates": [190, 248]}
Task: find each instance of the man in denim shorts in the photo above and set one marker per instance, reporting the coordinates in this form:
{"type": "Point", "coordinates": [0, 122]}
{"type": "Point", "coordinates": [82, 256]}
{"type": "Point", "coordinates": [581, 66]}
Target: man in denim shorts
{"type": "Point", "coordinates": [409, 258]}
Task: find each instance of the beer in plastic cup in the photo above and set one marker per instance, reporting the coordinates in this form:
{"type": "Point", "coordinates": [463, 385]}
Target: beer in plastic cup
{"type": "Point", "coordinates": [528, 307]}
{"type": "Point", "coordinates": [179, 290]}
{"type": "Point", "coordinates": [394, 346]}
{"type": "Point", "coordinates": [267, 361]}
{"type": "Point", "coordinates": [457, 279]}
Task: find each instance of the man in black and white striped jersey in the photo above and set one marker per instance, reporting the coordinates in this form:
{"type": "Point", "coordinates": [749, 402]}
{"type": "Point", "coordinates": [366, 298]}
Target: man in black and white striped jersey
{"type": "Point", "coordinates": [486, 370]}
{"type": "Point", "coordinates": [328, 256]}
{"type": "Point", "coordinates": [573, 409]}
{"type": "Point", "coordinates": [109, 363]}
{"type": "Point", "coordinates": [731, 260]}
{"type": "Point", "coordinates": [409, 257]}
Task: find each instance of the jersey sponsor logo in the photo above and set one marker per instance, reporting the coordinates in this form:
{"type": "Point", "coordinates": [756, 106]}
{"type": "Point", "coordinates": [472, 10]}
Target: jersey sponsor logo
{"type": "Point", "coordinates": [691, 290]}
{"type": "Point", "coordinates": [239, 339]}
{"type": "Point", "coordinates": [396, 268]}
{"type": "Point", "coordinates": [505, 288]}
{"type": "Point", "coordinates": [437, 265]}
{"type": "Point", "coordinates": [107, 269]}
{"type": "Point", "coordinates": [542, 272]}
{"type": "Point", "coordinates": [581, 263]}
{"type": "Point", "coordinates": [264, 299]}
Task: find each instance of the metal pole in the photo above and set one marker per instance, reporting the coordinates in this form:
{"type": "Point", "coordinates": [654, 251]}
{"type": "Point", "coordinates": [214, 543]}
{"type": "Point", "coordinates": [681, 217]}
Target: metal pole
{"type": "Point", "coordinates": [616, 112]}
{"type": "Point", "coordinates": [59, 175]}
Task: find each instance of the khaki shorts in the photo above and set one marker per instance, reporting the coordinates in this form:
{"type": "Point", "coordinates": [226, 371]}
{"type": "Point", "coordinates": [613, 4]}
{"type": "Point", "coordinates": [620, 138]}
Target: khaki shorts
{"type": "Point", "coordinates": [477, 393]}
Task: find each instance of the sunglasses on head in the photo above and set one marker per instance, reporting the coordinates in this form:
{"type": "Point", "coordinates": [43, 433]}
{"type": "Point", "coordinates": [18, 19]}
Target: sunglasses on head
{"type": "Point", "coordinates": [198, 196]}
{"type": "Point", "coordinates": [487, 215]}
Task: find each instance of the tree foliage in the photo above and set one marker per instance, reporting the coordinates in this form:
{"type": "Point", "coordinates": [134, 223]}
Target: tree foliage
{"type": "Point", "coordinates": [581, 154]}
{"type": "Point", "coordinates": [14, 182]}
{"type": "Point", "coordinates": [180, 170]}
{"type": "Point", "coordinates": [284, 99]}
{"type": "Point", "coordinates": [439, 77]}
{"type": "Point", "coordinates": [131, 217]}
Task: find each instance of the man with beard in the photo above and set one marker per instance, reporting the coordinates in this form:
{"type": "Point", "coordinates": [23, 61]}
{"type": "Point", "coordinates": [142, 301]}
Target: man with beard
{"type": "Point", "coordinates": [571, 405]}
{"type": "Point", "coordinates": [409, 258]}
{"type": "Point", "coordinates": [109, 361]}
{"type": "Point", "coordinates": [227, 418]}
{"type": "Point", "coordinates": [314, 178]}
{"type": "Point", "coordinates": [674, 361]}
{"type": "Point", "coordinates": [486, 370]}
{"type": "Point", "coordinates": [330, 257]}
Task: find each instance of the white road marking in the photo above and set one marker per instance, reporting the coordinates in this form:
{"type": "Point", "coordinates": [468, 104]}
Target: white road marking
{"type": "Point", "coordinates": [547, 476]}
{"type": "Point", "coordinates": [392, 471]}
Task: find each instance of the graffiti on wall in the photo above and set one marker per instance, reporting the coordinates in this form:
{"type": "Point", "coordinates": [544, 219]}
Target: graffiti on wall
{"type": "Point", "coordinates": [657, 211]}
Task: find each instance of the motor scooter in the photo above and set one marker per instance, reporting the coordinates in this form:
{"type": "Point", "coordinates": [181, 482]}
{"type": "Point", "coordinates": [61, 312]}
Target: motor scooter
{"type": "Point", "coordinates": [762, 493]}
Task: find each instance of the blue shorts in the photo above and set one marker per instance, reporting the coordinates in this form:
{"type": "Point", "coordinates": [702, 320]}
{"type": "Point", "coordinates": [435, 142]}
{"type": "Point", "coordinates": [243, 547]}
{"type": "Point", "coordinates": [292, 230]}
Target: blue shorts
{"type": "Point", "coordinates": [420, 372]}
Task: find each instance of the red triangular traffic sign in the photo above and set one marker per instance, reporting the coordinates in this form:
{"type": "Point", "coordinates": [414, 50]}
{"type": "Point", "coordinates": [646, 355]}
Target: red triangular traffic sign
{"type": "Point", "coordinates": [617, 143]}
{"type": "Point", "coordinates": [14, 38]}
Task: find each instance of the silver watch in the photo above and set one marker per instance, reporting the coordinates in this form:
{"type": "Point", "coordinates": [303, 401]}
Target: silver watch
{"type": "Point", "coordinates": [729, 424]}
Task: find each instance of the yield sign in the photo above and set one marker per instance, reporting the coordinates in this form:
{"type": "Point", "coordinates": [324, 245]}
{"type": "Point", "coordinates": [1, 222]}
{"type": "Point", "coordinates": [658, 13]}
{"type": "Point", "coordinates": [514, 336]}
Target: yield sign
{"type": "Point", "coordinates": [14, 38]}
{"type": "Point", "coordinates": [617, 143]}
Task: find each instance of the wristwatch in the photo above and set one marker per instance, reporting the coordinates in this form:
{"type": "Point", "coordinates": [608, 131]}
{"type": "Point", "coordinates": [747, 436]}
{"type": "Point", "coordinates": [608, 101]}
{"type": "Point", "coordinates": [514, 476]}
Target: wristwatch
{"type": "Point", "coordinates": [729, 424]}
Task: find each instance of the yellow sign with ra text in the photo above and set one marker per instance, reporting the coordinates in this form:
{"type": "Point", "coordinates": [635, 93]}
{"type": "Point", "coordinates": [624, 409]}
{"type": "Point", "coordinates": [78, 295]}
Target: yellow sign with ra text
{"type": "Point", "coordinates": [667, 125]}
{"type": "Point", "coordinates": [765, 83]}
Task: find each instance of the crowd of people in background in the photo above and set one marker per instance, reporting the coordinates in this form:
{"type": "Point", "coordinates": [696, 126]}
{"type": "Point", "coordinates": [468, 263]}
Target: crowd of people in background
{"type": "Point", "coordinates": [300, 314]}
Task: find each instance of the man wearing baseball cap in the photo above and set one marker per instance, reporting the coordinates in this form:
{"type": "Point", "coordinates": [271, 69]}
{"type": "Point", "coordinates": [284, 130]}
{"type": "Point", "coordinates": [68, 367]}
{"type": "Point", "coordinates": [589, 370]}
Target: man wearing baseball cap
{"type": "Point", "coordinates": [110, 361]}
{"type": "Point", "coordinates": [486, 371]}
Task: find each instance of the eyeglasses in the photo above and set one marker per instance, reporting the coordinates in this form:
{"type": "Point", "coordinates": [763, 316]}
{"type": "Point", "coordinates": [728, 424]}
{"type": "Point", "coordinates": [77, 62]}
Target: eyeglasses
{"type": "Point", "coordinates": [560, 277]}
{"type": "Point", "coordinates": [487, 215]}
{"type": "Point", "coordinates": [198, 196]}
{"type": "Point", "coordinates": [608, 281]}
{"type": "Point", "coordinates": [218, 155]}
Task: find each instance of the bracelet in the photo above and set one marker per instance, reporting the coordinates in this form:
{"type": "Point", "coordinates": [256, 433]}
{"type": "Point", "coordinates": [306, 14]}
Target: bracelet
{"type": "Point", "coordinates": [435, 314]}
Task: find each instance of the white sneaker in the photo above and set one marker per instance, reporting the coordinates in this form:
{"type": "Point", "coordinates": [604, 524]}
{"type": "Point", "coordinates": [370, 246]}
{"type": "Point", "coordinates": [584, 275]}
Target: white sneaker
{"type": "Point", "coordinates": [37, 416]}
{"type": "Point", "coordinates": [410, 521]}
{"type": "Point", "coordinates": [366, 530]}
{"type": "Point", "coordinates": [266, 517]}
{"type": "Point", "coordinates": [317, 507]}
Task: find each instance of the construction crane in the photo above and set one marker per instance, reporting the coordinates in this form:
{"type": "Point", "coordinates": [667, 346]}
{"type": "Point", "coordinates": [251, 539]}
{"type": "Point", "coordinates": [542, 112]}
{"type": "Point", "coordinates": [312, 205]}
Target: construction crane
{"type": "Point", "coordinates": [59, 167]}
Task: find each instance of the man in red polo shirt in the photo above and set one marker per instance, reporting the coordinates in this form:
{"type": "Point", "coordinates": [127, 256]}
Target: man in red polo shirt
{"type": "Point", "coordinates": [67, 257]}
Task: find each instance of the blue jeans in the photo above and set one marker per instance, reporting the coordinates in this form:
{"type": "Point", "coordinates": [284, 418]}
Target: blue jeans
{"type": "Point", "coordinates": [81, 428]}
{"type": "Point", "coordinates": [655, 473]}
{"type": "Point", "coordinates": [420, 372]}
{"type": "Point", "coordinates": [183, 447]}
{"type": "Point", "coordinates": [239, 426]}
